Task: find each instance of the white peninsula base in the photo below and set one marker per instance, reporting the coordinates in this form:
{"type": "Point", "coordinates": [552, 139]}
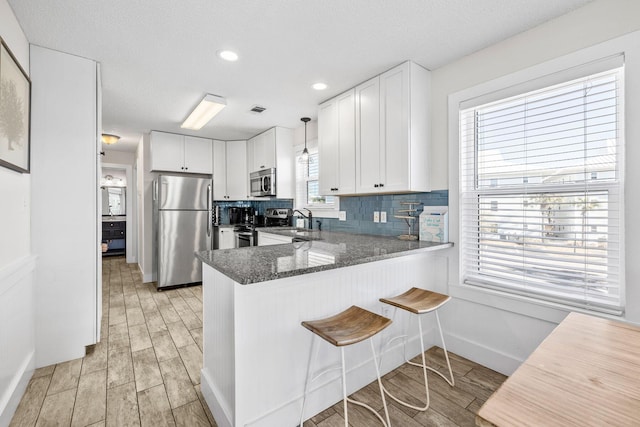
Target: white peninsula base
{"type": "Point", "coordinates": [256, 352]}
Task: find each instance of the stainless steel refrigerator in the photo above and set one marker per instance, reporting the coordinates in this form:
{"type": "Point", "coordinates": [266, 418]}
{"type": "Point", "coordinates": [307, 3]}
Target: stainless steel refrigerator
{"type": "Point", "coordinates": [182, 221]}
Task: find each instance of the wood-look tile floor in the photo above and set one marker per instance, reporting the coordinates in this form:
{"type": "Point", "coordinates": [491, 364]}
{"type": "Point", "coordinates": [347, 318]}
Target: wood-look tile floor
{"type": "Point", "coordinates": [146, 371]}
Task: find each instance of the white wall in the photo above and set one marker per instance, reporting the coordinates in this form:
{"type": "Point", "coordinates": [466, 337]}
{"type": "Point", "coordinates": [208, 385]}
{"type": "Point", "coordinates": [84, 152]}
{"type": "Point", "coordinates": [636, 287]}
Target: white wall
{"type": "Point", "coordinates": [596, 22]}
{"type": "Point", "coordinates": [17, 265]}
{"type": "Point", "coordinates": [121, 157]}
{"type": "Point", "coordinates": [501, 332]}
{"type": "Point", "coordinates": [145, 210]}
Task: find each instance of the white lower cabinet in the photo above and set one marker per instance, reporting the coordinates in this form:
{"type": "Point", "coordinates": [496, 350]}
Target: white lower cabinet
{"type": "Point", "coordinates": [226, 238]}
{"type": "Point", "coordinates": [266, 239]}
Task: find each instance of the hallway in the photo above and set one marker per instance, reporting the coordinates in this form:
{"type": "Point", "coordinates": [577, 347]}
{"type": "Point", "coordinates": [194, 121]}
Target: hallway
{"type": "Point", "coordinates": [145, 371]}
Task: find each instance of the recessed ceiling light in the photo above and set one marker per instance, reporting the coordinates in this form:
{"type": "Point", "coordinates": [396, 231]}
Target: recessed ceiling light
{"type": "Point", "coordinates": [319, 86]}
{"type": "Point", "coordinates": [228, 55]}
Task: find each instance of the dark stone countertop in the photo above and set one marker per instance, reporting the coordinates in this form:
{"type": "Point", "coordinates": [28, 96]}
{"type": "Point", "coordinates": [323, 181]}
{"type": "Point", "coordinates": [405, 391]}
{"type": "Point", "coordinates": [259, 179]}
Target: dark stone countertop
{"type": "Point", "coordinates": [323, 250]}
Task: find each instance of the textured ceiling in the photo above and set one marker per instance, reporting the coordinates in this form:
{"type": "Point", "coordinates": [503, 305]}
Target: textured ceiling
{"type": "Point", "coordinates": [158, 57]}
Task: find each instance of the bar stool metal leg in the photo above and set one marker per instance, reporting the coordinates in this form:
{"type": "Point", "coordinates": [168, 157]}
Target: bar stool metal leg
{"type": "Point", "coordinates": [349, 327]}
{"type": "Point", "coordinates": [424, 373]}
{"type": "Point", "coordinates": [364, 405]}
{"type": "Point", "coordinates": [420, 301]}
{"type": "Point", "coordinates": [446, 355]}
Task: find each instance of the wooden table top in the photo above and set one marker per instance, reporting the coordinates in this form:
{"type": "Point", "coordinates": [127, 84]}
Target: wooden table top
{"type": "Point", "coordinates": [585, 373]}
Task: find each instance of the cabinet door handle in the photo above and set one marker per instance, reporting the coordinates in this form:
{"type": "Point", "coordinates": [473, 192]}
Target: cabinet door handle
{"type": "Point", "coordinates": [376, 185]}
{"type": "Point", "coordinates": [209, 210]}
{"type": "Point", "coordinates": [381, 185]}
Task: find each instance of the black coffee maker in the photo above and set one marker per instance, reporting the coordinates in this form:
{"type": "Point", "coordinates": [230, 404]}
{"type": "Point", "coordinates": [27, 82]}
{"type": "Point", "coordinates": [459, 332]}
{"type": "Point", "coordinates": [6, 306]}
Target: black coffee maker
{"type": "Point", "coordinates": [240, 215]}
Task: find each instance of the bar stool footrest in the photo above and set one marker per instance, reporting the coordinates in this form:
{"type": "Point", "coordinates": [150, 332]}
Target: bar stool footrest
{"type": "Point", "coordinates": [364, 405]}
{"type": "Point", "coordinates": [402, 402]}
{"type": "Point", "coordinates": [451, 381]}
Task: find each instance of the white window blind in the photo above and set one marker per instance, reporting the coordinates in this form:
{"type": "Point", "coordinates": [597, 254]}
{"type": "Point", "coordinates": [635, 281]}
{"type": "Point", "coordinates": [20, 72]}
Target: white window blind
{"type": "Point", "coordinates": [541, 193]}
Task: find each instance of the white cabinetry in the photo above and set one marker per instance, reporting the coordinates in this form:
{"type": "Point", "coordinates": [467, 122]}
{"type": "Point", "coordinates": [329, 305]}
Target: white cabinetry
{"type": "Point", "coordinates": [337, 145]}
{"type": "Point", "coordinates": [392, 131]}
{"type": "Point", "coordinates": [64, 144]}
{"type": "Point", "coordinates": [180, 153]}
{"type": "Point", "coordinates": [226, 238]}
{"type": "Point", "coordinates": [230, 176]}
{"type": "Point", "coordinates": [261, 151]}
{"type": "Point", "coordinates": [266, 239]}
{"type": "Point", "coordinates": [274, 149]}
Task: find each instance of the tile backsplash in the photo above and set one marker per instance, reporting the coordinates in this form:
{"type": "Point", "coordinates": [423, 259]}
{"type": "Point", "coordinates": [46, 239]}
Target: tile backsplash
{"type": "Point", "coordinates": [258, 205]}
{"type": "Point", "coordinates": [359, 210]}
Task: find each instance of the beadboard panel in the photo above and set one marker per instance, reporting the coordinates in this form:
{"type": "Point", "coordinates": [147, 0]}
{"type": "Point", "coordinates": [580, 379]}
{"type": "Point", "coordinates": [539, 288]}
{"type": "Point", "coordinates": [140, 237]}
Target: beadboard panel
{"type": "Point", "coordinates": [261, 355]}
{"type": "Point", "coordinates": [17, 333]}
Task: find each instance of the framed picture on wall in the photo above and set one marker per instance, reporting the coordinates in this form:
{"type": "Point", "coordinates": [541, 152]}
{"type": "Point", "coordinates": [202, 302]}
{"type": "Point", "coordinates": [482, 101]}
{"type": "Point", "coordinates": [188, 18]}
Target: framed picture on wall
{"type": "Point", "coordinates": [15, 112]}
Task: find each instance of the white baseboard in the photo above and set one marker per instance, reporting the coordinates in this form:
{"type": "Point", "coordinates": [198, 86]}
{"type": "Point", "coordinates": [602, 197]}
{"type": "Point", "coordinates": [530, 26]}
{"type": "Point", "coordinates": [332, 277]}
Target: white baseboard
{"type": "Point", "coordinates": [483, 355]}
{"type": "Point", "coordinates": [16, 330]}
{"type": "Point", "coordinates": [10, 400]}
{"type": "Point", "coordinates": [211, 397]}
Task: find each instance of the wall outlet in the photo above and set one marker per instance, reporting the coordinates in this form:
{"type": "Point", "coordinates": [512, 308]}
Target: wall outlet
{"type": "Point", "coordinates": [376, 216]}
{"type": "Point", "coordinates": [383, 216]}
{"type": "Point", "coordinates": [342, 216]}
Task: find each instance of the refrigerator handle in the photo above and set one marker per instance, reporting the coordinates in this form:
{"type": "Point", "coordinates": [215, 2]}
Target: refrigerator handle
{"type": "Point", "coordinates": [209, 207]}
{"type": "Point", "coordinates": [155, 190]}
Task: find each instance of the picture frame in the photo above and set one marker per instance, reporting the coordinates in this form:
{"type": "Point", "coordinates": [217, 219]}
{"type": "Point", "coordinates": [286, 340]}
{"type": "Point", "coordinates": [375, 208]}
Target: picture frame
{"type": "Point", "coordinates": [15, 113]}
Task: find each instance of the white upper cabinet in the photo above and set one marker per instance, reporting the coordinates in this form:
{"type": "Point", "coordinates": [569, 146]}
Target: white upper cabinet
{"type": "Point", "coordinates": [285, 169]}
{"type": "Point", "coordinates": [237, 175]}
{"type": "Point", "coordinates": [274, 149]}
{"type": "Point", "coordinates": [261, 151]}
{"type": "Point", "coordinates": [197, 155]}
{"type": "Point", "coordinates": [171, 152]}
{"type": "Point", "coordinates": [336, 144]}
{"type": "Point", "coordinates": [230, 176]}
{"type": "Point", "coordinates": [392, 131]}
{"type": "Point", "coordinates": [219, 170]}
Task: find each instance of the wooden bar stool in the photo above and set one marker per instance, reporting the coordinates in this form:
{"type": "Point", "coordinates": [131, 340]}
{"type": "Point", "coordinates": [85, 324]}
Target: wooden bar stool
{"type": "Point", "coordinates": [351, 326]}
{"type": "Point", "coordinates": [419, 301]}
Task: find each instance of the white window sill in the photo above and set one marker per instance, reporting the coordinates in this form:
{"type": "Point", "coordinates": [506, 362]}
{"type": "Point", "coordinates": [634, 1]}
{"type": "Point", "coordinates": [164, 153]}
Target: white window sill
{"type": "Point", "coordinates": [525, 306]}
{"type": "Point", "coordinates": [323, 213]}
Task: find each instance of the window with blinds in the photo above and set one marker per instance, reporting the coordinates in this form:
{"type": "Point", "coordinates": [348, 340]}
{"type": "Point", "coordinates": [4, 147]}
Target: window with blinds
{"type": "Point", "coordinates": [307, 188]}
{"type": "Point", "coordinates": [541, 193]}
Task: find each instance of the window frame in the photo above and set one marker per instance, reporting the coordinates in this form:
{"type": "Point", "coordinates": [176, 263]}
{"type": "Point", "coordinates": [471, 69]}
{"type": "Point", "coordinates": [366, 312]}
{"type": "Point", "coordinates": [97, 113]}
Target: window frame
{"type": "Point", "coordinates": [328, 210]}
{"type": "Point", "coordinates": [549, 72]}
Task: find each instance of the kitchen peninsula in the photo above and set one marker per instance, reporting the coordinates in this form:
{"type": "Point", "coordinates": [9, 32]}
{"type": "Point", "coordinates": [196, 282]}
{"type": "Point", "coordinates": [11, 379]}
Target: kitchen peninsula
{"type": "Point", "coordinates": [255, 353]}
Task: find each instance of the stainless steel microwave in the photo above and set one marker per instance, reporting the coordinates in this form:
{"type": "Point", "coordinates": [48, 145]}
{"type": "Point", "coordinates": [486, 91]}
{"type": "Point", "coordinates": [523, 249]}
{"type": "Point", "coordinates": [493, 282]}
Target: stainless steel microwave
{"type": "Point", "coordinates": [263, 182]}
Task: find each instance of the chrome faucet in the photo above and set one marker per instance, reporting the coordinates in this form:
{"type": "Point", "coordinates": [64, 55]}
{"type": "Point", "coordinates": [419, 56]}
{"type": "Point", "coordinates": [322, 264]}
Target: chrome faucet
{"type": "Point", "coordinates": [309, 216]}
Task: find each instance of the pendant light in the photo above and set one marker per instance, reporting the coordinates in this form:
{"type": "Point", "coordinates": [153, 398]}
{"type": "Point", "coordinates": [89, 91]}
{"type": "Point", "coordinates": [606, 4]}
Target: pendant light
{"type": "Point", "coordinates": [304, 157]}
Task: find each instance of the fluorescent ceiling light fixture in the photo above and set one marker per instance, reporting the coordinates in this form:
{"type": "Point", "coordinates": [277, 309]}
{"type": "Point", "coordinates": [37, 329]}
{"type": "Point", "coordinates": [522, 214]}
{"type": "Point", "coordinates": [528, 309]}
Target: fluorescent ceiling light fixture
{"type": "Point", "coordinates": [319, 86]}
{"type": "Point", "coordinates": [208, 107]}
{"type": "Point", "coordinates": [109, 138]}
{"type": "Point", "coordinates": [228, 55]}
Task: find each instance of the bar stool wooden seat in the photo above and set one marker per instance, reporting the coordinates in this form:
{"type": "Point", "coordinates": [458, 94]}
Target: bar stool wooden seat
{"type": "Point", "coordinates": [351, 326]}
{"type": "Point", "coordinates": [419, 301]}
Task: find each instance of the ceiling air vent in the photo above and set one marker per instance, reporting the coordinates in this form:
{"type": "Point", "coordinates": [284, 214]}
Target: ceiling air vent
{"type": "Point", "coordinates": [257, 109]}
